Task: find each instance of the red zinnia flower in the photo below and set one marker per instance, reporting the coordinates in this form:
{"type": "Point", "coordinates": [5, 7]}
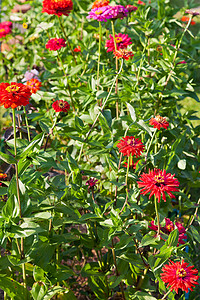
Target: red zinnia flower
{"type": "Point", "coordinates": [61, 105]}
{"type": "Point", "coordinates": [100, 3]}
{"type": "Point", "coordinates": [3, 176]}
{"type": "Point", "coordinates": [157, 182]}
{"type": "Point", "coordinates": [186, 19]}
{"type": "Point", "coordinates": [57, 7]}
{"type": "Point", "coordinates": [34, 84]}
{"type": "Point", "coordinates": [141, 2]}
{"type": "Point", "coordinates": [122, 41]}
{"type": "Point", "coordinates": [169, 227]}
{"type": "Point", "coordinates": [129, 145]}
{"type": "Point", "coordinates": [55, 44]}
{"type": "Point", "coordinates": [159, 122]}
{"type": "Point", "coordinates": [123, 53]}
{"type": "Point", "coordinates": [14, 94]}
{"type": "Point", "coordinates": [91, 183]}
{"type": "Point", "coordinates": [178, 275]}
{"type": "Point", "coordinates": [78, 49]}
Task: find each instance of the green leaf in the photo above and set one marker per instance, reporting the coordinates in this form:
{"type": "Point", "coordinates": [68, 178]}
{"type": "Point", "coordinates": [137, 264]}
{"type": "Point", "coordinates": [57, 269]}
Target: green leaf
{"type": "Point", "coordinates": [149, 239]}
{"type": "Point", "coordinates": [14, 290]}
{"type": "Point", "coordinates": [8, 158]}
{"type": "Point", "coordinates": [195, 233]}
{"type": "Point", "coordinates": [39, 290]}
{"type": "Point", "coordinates": [132, 112]}
{"type": "Point", "coordinates": [11, 208]}
{"type": "Point", "coordinates": [141, 296]}
{"type": "Point", "coordinates": [76, 69]}
{"type": "Point", "coordinates": [145, 127]}
{"type": "Point", "coordinates": [38, 274]}
{"type": "Point", "coordinates": [173, 238]}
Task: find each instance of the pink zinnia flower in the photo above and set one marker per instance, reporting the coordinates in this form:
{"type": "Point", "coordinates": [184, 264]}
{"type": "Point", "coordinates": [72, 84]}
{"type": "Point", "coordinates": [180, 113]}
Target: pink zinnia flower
{"type": "Point", "coordinates": [178, 275]}
{"type": "Point", "coordinates": [129, 145]}
{"type": "Point", "coordinates": [158, 182]}
{"type": "Point", "coordinates": [122, 42]}
{"type": "Point", "coordinates": [118, 11]}
{"type": "Point", "coordinates": [101, 14]}
{"type": "Point", "coordinates": [55, 44]}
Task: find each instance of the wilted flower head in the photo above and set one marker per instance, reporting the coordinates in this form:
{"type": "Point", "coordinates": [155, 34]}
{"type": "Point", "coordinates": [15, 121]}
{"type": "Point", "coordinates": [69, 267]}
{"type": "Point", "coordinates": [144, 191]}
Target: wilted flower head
{"type": "Point", "coordinates": [34, 85]}
{"type": "Point", "coordinates": [55, 44]}
{"type": "Point", "coordinates": [101, 14]}
{"type": "Point", "coordinates": [159, 122]}
{"type": "Point", "coordinates": [123, 53]}
{"type": "Point", "coordinates": [57, 7]}
{"type": "Point", "coordinates": [61, 105]}
{"type": "Point", "coordinates": [91, 183]}
{"type": "Point", "coordinates": [178, 275]}
{"type": "Point", "coordinates": [100, 3]}
{"type": "Point", "coordinates": [31, 74]}
{"type": "Point", "coordinates": [131, 8]}
{"type": "Point", "coordinates": [129, 145]}
{"type": "Point", "coordinates": [14, 94]}
{"type": "Point", "coordinates": [186, 19]}
{"type": "Point", "coordinates": [157, 182]}
{"type": "Point", "coordinates": [169, 227]}
{"type": "Point", "coordinates": [122, 42]}
{"type": "Point", "coordinates": [192, 12]}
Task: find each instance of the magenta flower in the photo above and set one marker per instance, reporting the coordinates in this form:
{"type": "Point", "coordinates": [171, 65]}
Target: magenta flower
{"type": "Point", "coordinates": [91, 183]}
{"type": "Point", "coordinates": [101, 14]}
{"type": "Point", "coordinates": [122, 41]}
{"type": "Point", "coordinates": [118, 11]}
{"type": "Point", "coordinates": [33, 74]}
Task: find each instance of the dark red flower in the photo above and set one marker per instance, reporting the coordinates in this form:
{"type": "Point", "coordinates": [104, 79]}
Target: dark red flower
{"type": "Point", "coordinates": [14, 94]}
{"type": "Point", "coordinates": [186, 19]}
{"type": "Point", "coordinates": [100, 3]}
{"type": "Point", "coordinates": [178, 275]}
{"type": "Point", "coordinates": [158, 182]}
{"type": "Point", "coordinates": [123, 53]}
{"type": "Point", "coordinates": [129, 145]}
{"type": "Point", "coordinates": [78, 49]}
{"type": "Point", "coordinates": [34, 84]}
{"type": "Point", "coordinates": [131, 8]}
{"type": "Point", "coordinates": [159, 122]}
{"type": "Point", "coordinates": [57, 7]}
{"type": "Point", "coordinates": [61, 105]}
{"type": "Point", "coordinates": [55, 44]}
{"type": "Point", "coordinates": [3, 176]}
{"type": "Point", "coordinates": [91, 183]}
{"type": "Point", "coordinates": [122, 42]}
{"type": "Point", "coordinates": [169, 227]}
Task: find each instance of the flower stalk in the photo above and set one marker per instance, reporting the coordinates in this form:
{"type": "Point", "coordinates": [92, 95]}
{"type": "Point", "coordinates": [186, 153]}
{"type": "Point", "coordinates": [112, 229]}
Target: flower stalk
{"type": "Point", "coordinates": [27, 126]}
{"type": "Point", "coordinates": [157, 215]}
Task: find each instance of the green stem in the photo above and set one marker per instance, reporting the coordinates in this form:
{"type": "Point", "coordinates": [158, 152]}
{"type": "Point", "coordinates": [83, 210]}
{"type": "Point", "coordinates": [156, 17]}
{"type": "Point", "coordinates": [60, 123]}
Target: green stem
{"type": "Point", "coordinates": [113, 32]}
{"type": "Point", "coordinates": [150, 144]}
{"type": "Point", "coordinates": [99, 57]}
{"type": "Point", "coordinates": [166, 295]}
{"type": "Point", "coordinates": [50, 132]}
{"type": "Point", "coordinates": [116, 62]}
{"type": "Point", "coordinates": [157, 215]}
{"type": "Point", "coordinates": [127, 170]}
{"type": "Point", "coordinates": [26, 120]}
{"type": "Point", "coordinates": [65, 35]}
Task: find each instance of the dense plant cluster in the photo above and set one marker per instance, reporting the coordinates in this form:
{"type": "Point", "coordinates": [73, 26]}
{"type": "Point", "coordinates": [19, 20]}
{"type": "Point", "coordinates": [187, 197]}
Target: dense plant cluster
{"type": "Point", "coordinates": [100, 168]}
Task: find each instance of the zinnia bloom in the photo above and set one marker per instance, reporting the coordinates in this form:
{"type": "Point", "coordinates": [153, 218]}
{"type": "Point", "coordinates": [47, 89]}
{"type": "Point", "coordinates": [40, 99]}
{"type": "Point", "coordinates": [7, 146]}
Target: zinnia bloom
{"type": "Point", "coordinates": [118, 11]}
{"type": "Point", "coordinates": [123, 53]}
{"type": "Point", "coordinates": [6, 24]}
{"type": "Point", "coordinates": [169, 227]}
{"type": "Point", "coordinates": [57, 7]}
{"type": "Point", "coordinates": [30, 74]}
{"type": "Point", "coordinates": [158, 182]}
{"type": "Point", "coordinates": [4, 31]}
{"type": "Point", "coordinates": [61, 105]}
{"type": "Point", "coordinates": [91, 183]}
{"type": "Point", "coordinates": [14, 94]}
{"type": "Point", "coordinates": [140, 2]}
{"type": "Point", "coordinates": [55, 44]}
{"type": "Point", "coordinates": [3, 176]}
{"type": "Point", "coordinates": [186, 19]}
{"type": "Point", "coordinates": [122, 42]}
{"type": "Point", "coordinates": [192, 12]}
{"type": "Point", "coordinates": [34, 84]}
{"type": "Point", "coordinates": [78, 49]}
{"type": "Point", "coordinates": [100, 3]}
{"type": "Point", "coordinates": [178, 275]}
{"type": "Point", "coordinates": [101, 14]}
{"type": "Point", "coordinates": [131, 8]}
{"type": "Point", "coordinates": [159, 122]}
{"type": "Point", "coordinates": [129, 145]}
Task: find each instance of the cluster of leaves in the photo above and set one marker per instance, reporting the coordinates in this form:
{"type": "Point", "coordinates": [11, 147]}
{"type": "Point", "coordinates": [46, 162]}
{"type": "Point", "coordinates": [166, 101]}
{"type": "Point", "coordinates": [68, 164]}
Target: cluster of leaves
{"type": "Point", "coordinates": [70, 232]}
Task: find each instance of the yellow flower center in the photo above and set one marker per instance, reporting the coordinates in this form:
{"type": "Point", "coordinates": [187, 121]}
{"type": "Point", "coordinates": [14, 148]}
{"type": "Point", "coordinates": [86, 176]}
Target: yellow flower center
{"type": "Point", "coordinates": [170, 227]}
{"type": "Point", "coordinates": [2, 30]}
{"type": "Point", "coordinates": [158, 118]}
{"type": "Point", "coordinates": [12, 88]}
{"type": "Point", "coordinates": [181, 273]}
{"type": "Point", "coordinates": [61, 104]}
{"type": "Point", "coordinates": [98, 12]}
{"type": "Point", "coordinates": [159, 179]}
{"type": "Point", "coordinates": [118, 39]}
{"type": "Point", "coordinates": [25, 26]}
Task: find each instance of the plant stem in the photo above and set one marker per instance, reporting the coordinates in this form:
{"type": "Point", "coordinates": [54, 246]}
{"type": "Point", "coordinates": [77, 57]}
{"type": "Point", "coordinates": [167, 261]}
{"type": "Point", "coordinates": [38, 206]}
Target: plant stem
{"type": "Point", "coordinates": [157, 215]}
{"type": "Point", "coordinates": [65, 35]}
{"type": "Point", "coordinates": [113, 32]}
{"type": "Point", "coordinates": [116, 62]}
{"type": "Point", "coordinates": [195, 214]}
{"type": "Point", "coordinates": [26, 120]}
{"type": "Point", "coordinates": [149, 146]}
{"type": "Point", "coordinates": [166, 295]}
{"type": "Point", "coordinates": [18, 195]}
{"type": "Point", "coordinates": [99, 57]}
{"type": "Point", "coordinates": [127, 170]}
{"type": "Point", "coordinates": [50, 132]}
{"type": "Point", "coordinates": [116, 269]}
